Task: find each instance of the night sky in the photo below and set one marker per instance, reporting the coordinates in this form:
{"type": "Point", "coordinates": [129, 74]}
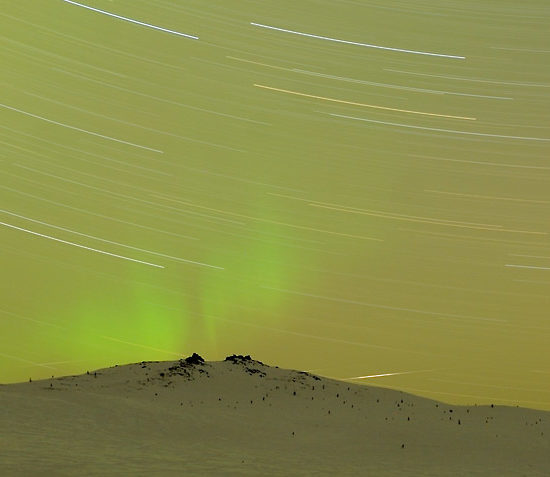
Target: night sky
{"type": "Point", "coordinates": [360, 189]}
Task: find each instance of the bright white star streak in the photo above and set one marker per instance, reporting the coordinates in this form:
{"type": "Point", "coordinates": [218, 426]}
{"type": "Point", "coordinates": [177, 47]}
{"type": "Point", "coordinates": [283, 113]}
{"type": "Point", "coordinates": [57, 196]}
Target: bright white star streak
{"type": "Point", "coordinates": [81, 246]}
{"type": "Point", "coordinates": [126, 19]}
{"type": "Point", "coordinates": [110, 241]}
{"type": "Point", "coordinates": [527, 266]}
{"type": "Point", "coordinates": [389, 374]}
{"type": "Point", "coordinates": [367, 45]}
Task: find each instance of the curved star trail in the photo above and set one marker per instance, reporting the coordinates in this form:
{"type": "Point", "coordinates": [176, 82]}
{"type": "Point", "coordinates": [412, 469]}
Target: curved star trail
{"type": "Point", "coordinates": [126, 19]}
{"type": "Point", "coordinates": [367, 45]}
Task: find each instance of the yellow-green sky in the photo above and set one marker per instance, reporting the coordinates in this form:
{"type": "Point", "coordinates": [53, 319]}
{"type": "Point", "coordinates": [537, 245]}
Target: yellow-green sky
{"type": "Point", "coordinates": [352, 188]}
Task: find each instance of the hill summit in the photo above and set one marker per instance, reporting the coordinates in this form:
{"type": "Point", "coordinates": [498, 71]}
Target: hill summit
{"type": "Point", "coordinates": [240, 416]}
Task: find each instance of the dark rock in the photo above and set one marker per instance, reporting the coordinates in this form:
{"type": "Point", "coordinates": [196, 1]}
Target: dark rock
{"type": "Point", "coordinates": [238, 358]}
{"type": "Point", "coordinates": [252, 371]}
{"type": "Point", "coordinates": [194, 359]}
{"type": "Point", "coordinates": [305, 373]}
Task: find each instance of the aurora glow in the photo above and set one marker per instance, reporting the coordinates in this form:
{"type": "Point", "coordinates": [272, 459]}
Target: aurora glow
{"type": "Point", "coordinates": [261, 190]}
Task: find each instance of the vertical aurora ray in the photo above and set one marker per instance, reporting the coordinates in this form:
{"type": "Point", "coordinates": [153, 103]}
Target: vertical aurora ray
{"type": "Point", "coordinates": [132, 320]}
{"type": "Point", "coordinates": [237, 294]}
